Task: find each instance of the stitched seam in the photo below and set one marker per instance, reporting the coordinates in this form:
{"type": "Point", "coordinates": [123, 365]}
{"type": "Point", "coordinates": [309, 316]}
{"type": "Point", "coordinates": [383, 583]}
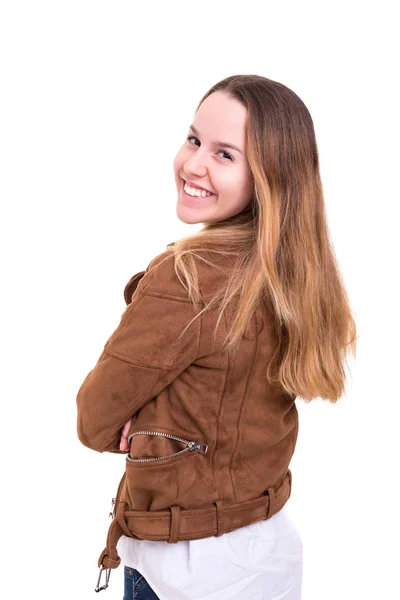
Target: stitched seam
{"type": "Point", "coordinates": [144, 288]}
{"type": "Point", "coordinates": [124, 316]}
{"type": "Point", "coordinates": [138, 584]}
{"type": "Point", "coordinates": [227, 379]}
{"type": "Point", "coordinates": [254, 504]}
{"type": "Point", "coordinates": [229, 465]}
{"type": "Point", "coordinates": [215, 453]}
{"type": "Point", "coordinates": [221, 406]}
{"type": "Point", "coordinates": [156, 267]}
{"type": "Point", "coordinates": [134, 363]}
{"type": "Point", "coordinates": [199, 512]}
{"type": "Point", "coordinates": [156, 294]}
{"type": "Point", "coordinates": [240, 415]}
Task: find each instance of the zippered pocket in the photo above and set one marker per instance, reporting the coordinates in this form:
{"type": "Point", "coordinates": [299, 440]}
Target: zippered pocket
{"type": "Point", "coordinates": [114, 501]}
{"type": "Point", "coordinates": [190, 446]}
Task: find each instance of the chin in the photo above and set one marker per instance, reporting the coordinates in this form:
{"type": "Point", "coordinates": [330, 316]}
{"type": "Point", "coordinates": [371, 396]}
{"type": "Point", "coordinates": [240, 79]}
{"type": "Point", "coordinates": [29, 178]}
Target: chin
{"type": "Point", "coordinates": [189, 220]}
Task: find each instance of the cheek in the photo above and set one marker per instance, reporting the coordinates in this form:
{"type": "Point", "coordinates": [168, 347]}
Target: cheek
{"type": "Point", "coordinates": [230, 182]}
{"type": "Point", "coordinates": [248, 185]}
{"type": "Point", "coordinates": [177, 164]}
{"type": "Point", "coordinates": [236, 185]}
{"type": "Point", "coordinates": [179, 161]}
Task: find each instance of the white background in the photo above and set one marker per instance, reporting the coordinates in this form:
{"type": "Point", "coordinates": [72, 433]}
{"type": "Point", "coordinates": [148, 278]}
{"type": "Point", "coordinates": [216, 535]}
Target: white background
{"type": "Point", "coordinates": [96, 98]}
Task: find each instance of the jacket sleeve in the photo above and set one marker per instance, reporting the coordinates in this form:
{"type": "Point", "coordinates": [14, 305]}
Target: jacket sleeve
{"type": "Point", "coordinates": [141, 357]}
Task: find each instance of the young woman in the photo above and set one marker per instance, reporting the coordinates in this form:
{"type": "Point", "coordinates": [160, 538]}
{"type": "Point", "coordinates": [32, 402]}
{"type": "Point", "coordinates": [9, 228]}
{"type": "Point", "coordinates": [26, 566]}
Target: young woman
{"type": "Point", "coordinates": [263, 268]}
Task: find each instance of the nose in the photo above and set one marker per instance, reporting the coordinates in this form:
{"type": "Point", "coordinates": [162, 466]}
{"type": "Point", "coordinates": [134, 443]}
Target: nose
{"type": "Point", "coordinates": [196, 165]}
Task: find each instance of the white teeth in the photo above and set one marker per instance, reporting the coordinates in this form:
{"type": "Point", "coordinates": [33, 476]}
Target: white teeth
{"type": "Point", "coordinates": [195, 192]}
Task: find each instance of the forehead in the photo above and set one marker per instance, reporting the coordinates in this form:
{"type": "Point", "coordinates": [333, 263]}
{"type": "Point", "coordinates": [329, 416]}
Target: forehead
{"type": "Point", "coordinates": [221, 117]}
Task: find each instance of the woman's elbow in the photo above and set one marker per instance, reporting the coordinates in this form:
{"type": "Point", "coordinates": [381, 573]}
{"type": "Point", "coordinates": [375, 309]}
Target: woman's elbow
{"type": "Point", "coordinates": [88, 436]}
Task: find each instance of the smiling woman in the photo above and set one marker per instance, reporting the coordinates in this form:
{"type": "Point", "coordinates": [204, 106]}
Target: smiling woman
{"type": "Point", "coordinates": [222, 332]}
{"type": "Point", "coordinates": [205, 163]}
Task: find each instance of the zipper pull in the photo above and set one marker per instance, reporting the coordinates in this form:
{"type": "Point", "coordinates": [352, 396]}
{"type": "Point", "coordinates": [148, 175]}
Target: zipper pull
{"type": "Point", "coordinates": [112, 513]}
{"type": "Point", "coordinates": [197, 446]}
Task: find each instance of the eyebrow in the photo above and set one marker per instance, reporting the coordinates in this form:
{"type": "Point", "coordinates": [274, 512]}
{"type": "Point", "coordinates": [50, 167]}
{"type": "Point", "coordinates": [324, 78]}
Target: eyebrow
{"type": "Point", "coordinates": [224, 144]}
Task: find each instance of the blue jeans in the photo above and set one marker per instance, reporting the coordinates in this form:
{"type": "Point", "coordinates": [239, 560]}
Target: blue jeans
{"type": "Point", "coordinates": [136, 587]}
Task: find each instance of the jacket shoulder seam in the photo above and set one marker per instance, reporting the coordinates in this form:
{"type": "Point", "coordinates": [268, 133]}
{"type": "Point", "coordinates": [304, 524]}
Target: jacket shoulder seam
{"type": "Point", "coordinates": [152, 292]}
{"type": "Point", "coordinates": [159, 272]}
{"type": "Point", "coordinates": [134, 362]}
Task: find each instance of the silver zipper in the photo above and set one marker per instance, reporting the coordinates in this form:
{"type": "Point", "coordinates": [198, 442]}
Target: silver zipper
{"type": "Point", "coordinates": [191, 446]}
{"type": "Point", "coordinates": [112, 512]}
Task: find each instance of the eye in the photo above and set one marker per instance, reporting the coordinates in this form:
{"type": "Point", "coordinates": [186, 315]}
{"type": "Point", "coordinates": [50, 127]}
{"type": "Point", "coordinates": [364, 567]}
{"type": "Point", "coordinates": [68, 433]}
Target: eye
{"type": "Point", "coordinates": [191, 137]}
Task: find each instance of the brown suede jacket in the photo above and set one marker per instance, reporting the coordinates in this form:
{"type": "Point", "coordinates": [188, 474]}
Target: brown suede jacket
{"type": "Point", "coordinates": [211, 439]}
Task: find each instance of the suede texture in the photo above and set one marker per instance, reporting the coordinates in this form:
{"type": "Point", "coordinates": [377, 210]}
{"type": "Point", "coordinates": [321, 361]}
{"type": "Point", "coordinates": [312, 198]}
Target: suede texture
{"type": "Point", "coordinates": [187, 389]}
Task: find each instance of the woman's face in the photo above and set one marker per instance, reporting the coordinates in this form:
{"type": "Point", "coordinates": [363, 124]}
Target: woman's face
{"type": "Point", "coordinates": [207, 161]}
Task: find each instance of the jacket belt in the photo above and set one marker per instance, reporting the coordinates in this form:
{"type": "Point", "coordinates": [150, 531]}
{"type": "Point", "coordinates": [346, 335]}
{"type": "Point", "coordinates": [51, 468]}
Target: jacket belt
{"type": "Point", "coordinates": [178, 524]}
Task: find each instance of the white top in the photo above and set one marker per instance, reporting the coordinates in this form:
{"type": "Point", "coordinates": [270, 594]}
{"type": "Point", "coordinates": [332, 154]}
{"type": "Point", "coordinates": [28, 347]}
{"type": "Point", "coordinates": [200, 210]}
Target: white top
{"type": "Point", "coordinates": [262, 561]}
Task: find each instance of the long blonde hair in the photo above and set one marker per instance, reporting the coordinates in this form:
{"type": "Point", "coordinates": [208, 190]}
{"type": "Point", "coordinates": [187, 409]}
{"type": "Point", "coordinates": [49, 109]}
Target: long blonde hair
{"type": "Point", "coordinates": [283, 254]}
